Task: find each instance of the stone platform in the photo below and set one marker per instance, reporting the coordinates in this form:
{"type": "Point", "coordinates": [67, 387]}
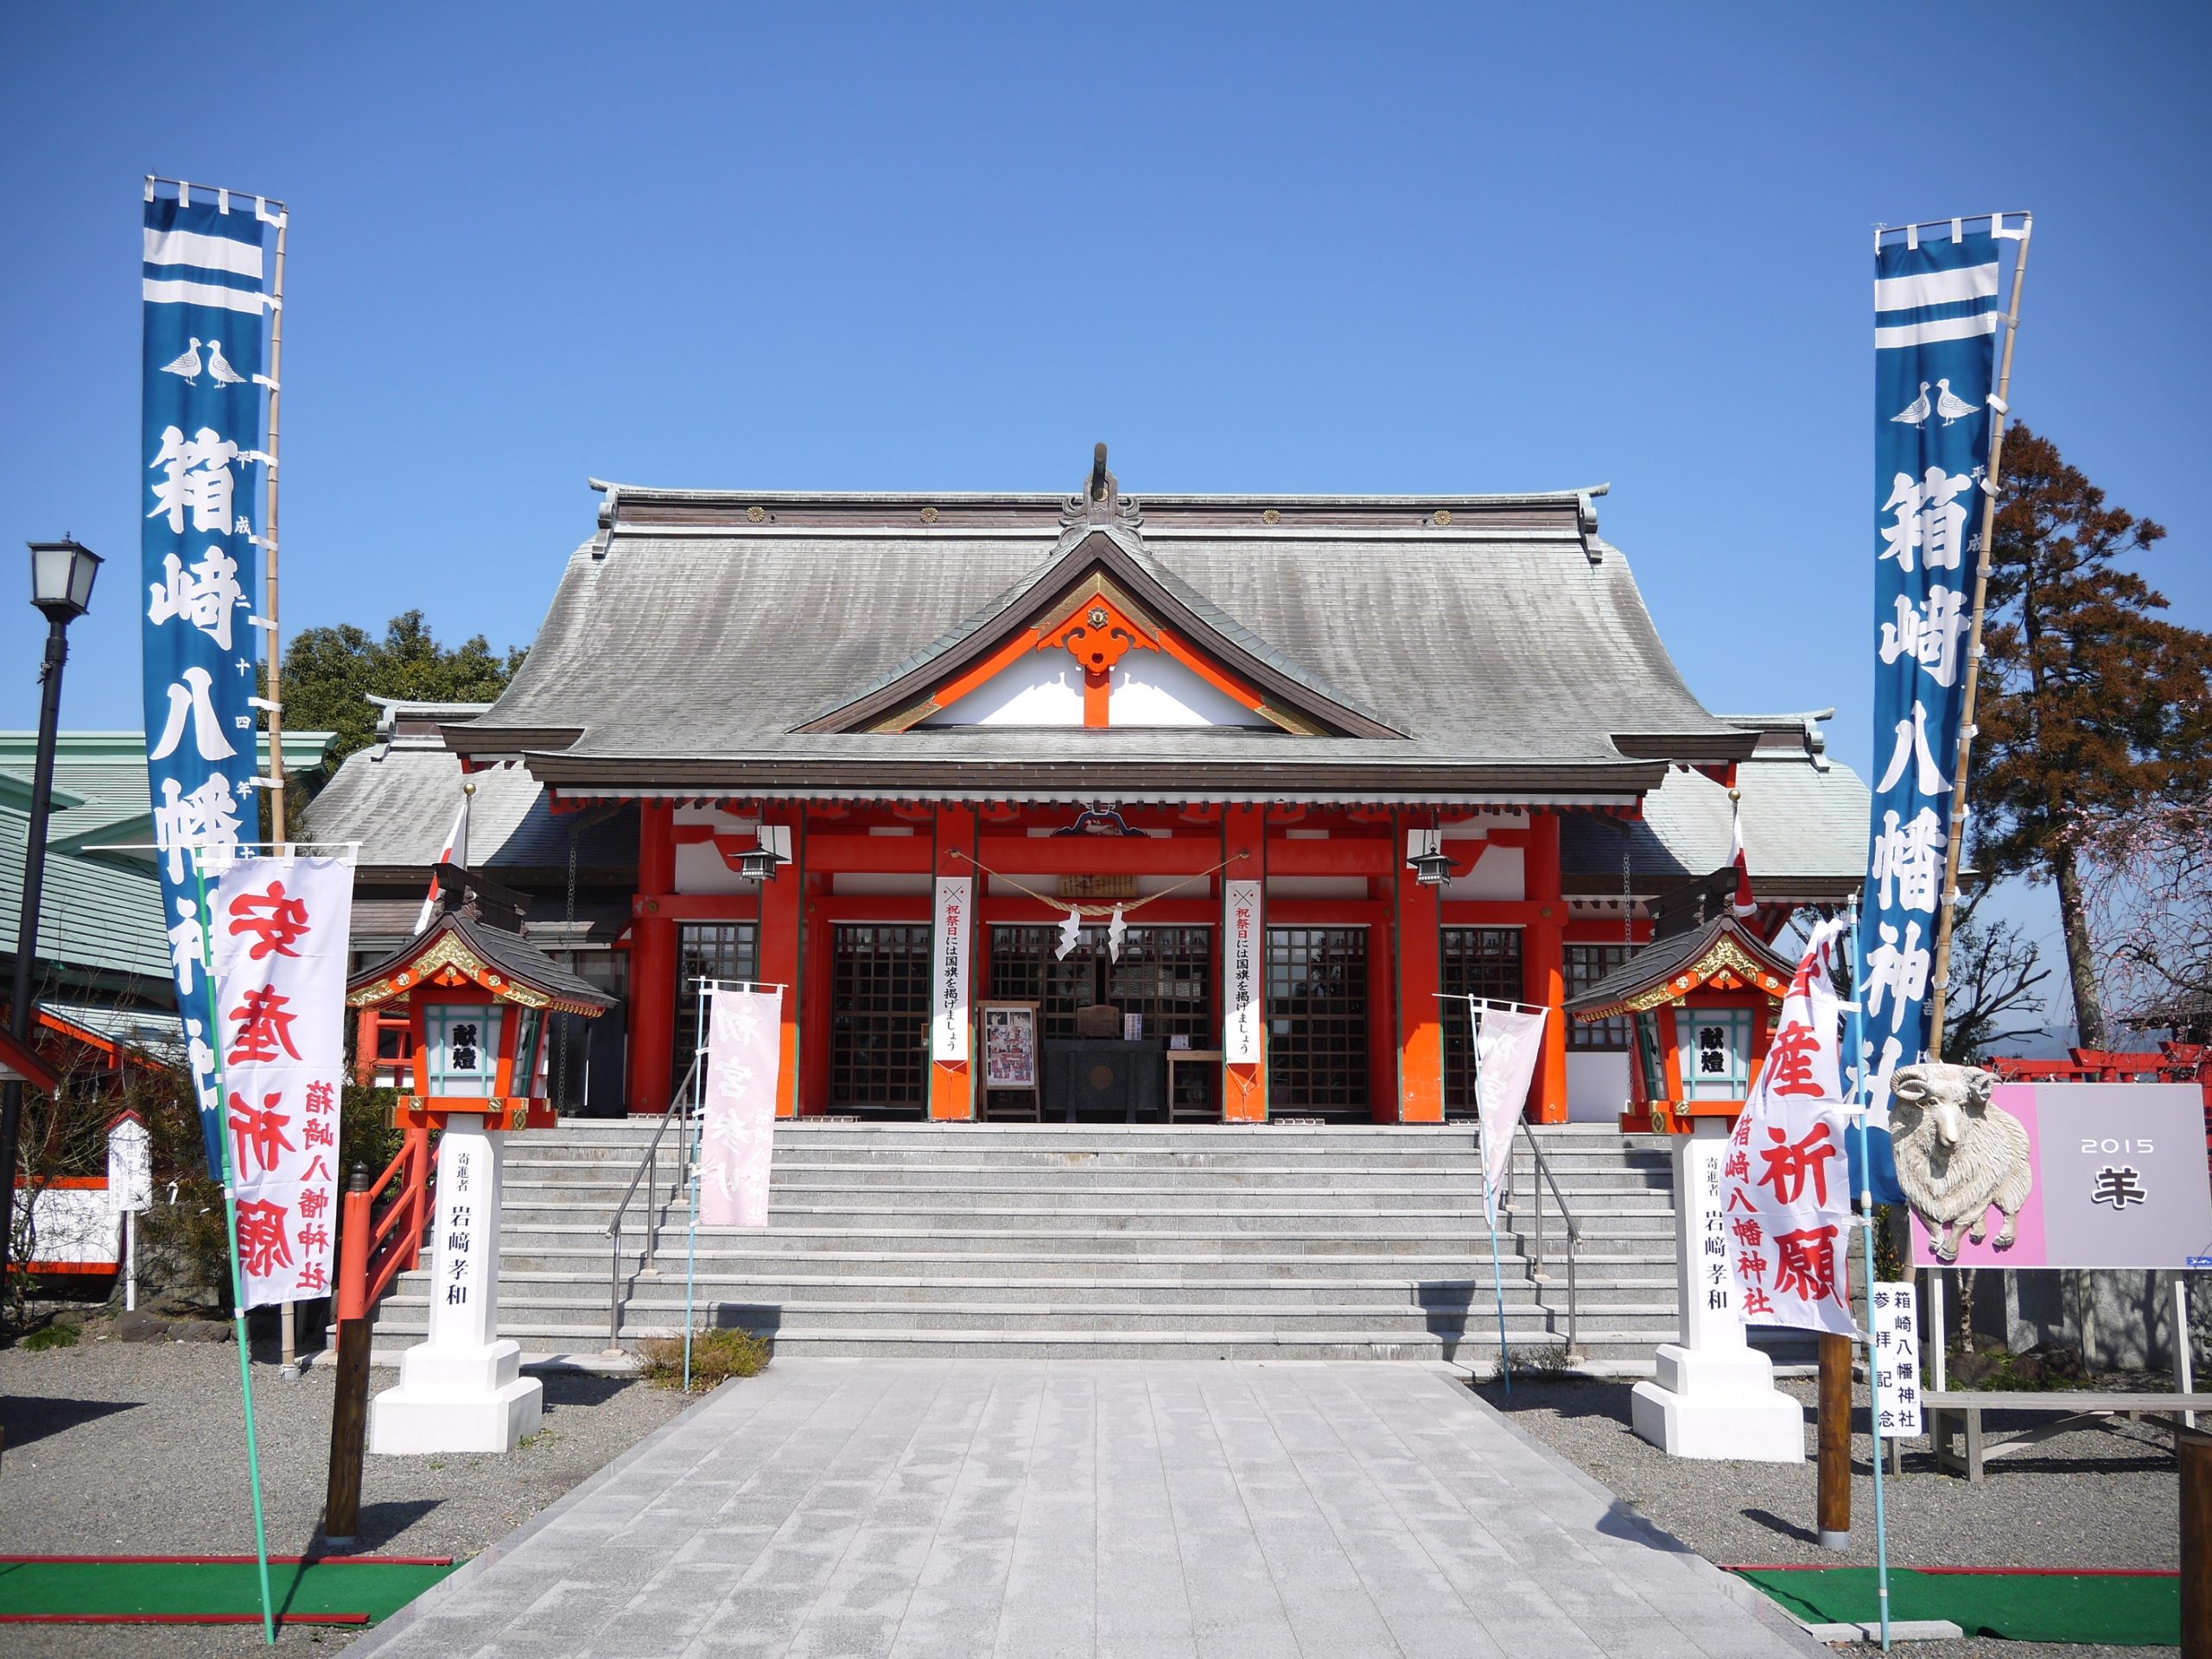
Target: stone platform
{"type": "Point", "coordinates": [1117, 1508]}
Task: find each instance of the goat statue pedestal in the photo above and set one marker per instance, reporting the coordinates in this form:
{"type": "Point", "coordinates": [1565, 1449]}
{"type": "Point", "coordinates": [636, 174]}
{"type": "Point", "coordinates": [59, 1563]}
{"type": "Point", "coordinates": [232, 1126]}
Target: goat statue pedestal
{"type": "Point", "coordinates": [1715, 1395]}
{"type": "Point", "coordinates": [462, 1390]}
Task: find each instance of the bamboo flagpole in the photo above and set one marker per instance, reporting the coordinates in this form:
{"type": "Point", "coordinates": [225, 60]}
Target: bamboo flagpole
{"type": "Point", "coordinates": [1940, 985]}
{"type": "Point", "coordinates": [273, 704]}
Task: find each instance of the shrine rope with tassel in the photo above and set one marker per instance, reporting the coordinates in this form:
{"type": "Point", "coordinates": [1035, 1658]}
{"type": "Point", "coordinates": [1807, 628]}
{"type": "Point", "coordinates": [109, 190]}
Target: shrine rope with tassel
{"type": "Point", "coordinates": [1099, 911]}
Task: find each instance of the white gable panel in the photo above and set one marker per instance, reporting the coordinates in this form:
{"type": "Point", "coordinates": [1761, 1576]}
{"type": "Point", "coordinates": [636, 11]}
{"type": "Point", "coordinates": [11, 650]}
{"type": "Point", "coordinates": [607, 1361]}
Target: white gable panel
{"type": "Point", "coordinates": [1037, 689]}
{"type": "Point", "coordinates": [1150, 688]}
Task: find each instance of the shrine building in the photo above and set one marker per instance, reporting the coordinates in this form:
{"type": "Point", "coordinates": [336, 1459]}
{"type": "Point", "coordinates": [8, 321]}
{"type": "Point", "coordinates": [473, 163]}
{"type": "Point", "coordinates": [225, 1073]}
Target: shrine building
{"type": "Point", "coordinates": [1348, 757]}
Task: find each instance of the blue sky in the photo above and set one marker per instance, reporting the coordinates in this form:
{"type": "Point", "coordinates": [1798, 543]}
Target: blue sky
{"type": "Point", "coordinates": [1264, 248]}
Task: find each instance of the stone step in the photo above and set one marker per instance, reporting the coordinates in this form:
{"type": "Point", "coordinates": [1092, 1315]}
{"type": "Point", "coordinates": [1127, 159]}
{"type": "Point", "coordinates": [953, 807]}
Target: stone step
{"type": "Point", "coordinates": [786, 1198]}
{"type": "Point", "coordinates": [792, 1171]}
{"type": "Point", "coordinates": [588, 1265]}
{"type": "Point", "coordinates": [1442, 1213]}
{"type": "Point", "coordinates": [535, 1288]}
{"type": "Point", "coordinates": [1657, 1323]}
{"type": "Point", "coordinates": [1634, 1234]}
{"type": "Point", "coordinates": [1630, 1348]}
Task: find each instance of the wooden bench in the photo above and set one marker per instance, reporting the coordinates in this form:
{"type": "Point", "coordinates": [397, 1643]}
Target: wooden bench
{"type": "Point", "coordinates": [1947, 1413]}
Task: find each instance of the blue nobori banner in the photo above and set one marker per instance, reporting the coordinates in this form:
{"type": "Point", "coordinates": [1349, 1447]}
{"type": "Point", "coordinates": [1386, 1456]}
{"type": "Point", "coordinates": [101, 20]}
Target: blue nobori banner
{"type": "Point", "coordinates": [1937, 313]}
{"type": "Point", "coordinates": [207, 309]}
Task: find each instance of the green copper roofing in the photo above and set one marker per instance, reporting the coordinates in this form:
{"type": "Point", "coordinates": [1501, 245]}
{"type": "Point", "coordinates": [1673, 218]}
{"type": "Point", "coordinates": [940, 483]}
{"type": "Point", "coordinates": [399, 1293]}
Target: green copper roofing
{"type": "Point", "coordinates": [100, 915]}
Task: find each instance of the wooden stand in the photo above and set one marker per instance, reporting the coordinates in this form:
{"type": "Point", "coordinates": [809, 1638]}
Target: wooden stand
{"type": "Point", "coordinates": [349, 1410]}
{"type": "Point", "coordinates": [1835, 1442]}
{"type": "Point", "coordinates": [2195, 1449]}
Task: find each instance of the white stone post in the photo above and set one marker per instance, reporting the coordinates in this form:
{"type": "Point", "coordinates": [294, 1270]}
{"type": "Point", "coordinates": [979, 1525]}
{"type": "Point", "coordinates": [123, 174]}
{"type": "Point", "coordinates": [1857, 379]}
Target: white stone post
{"type": "Point", "coordinates": [1714, 1396]}
{"type": "Point", "coordinates": [462, 1390]}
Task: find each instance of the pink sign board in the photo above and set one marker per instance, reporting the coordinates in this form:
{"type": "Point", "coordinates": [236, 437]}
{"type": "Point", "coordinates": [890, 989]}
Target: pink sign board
{"type": "Point", "coordinates": [744, 1048]}
{"type": "Point", "coordinates": [2115, 1177]}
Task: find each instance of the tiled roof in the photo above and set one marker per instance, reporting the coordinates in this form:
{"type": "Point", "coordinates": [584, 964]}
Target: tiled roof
{"type": "Point", "coordinates": [399, 802]}
{"type": "Point", "coordinates": [690, 639]}
{"type": "Point", "coordinates": [1805, 825]}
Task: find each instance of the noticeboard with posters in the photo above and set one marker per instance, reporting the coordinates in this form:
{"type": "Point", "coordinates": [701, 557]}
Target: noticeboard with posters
{"type": "Point", "coordinates": [1009, 1045]}
{"type": "Point", "coordinates": [2064, 1175]}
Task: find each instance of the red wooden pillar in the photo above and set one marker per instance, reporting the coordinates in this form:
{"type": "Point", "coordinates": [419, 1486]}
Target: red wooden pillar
{"type": "Point", "coordinates": [1545, 968]}
{"type": "Point", "coordinates": [952, 1083]}
{"type": "Point", "coordinates": [1420, 966]}
{"type": "Point", "coordinates": [818, 969]}
{"type": "Point", "coordinates": [1244, 1088]}
{"type": "Point", "coordinates": [782, 905]}
{"type": "Point", "coordinates": [652, 961]}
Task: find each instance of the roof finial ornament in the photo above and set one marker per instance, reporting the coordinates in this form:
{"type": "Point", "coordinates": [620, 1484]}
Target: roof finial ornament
{"type": "Point", "coordinates": [1100, 502]}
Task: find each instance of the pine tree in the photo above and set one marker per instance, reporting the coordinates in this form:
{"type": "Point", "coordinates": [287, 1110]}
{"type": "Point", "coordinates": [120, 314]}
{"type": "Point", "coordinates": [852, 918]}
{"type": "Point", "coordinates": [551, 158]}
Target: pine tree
{"type": "Point", "coordinates": [2094, 707]}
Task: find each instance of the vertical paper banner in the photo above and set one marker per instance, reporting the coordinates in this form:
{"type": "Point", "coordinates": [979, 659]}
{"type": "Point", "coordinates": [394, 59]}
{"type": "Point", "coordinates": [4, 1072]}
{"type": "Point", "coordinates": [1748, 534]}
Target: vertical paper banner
{"type": "Point", "coordinates": [949, 946]}
{"type": "Point", "coordinates": [1936, 321]}
{"type": "Point", "coordinates": [1508, 1044]}
{"type": "Point", "coordinates": [202, 473]}
{"type": "Point", "coordinates": [737, 1141]}
{"type": "Point", "coordinates": [280, 927]}
{"type": "Point", "coordinates": [1787, 1174]}
{"type": "Point", "coordinates": [1242, 961]}
{"type": "Point", "coordinates": [1893, 1326]}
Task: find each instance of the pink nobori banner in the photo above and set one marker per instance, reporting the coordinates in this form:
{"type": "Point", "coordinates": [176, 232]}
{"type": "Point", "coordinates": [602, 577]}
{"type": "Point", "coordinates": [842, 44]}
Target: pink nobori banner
{"type": "Point", "coordinates": [280, 947]}
{"type": "Point", "coordinates": [744, 1045]}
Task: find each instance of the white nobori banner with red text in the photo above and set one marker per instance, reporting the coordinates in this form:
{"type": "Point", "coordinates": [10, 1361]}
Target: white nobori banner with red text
{"type": "Point", "coordinates": [744, 1052]}
{"type": "Point", "coordinates": [1788, 1176]}
{"type": "Point", "coordinates": [280, 928]}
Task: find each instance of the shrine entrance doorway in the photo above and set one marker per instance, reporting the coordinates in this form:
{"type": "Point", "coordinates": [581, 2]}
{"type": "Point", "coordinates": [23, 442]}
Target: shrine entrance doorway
{"type": "Point", "coordinates": [1166, 977]}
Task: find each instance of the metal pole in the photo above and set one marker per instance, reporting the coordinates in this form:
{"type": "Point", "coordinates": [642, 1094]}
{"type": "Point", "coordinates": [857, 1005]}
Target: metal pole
{"type": "Point", "coordinates": [2185, 1361]}
{"type": "Point", "coordinates": [1855, 1025]}
{"type": "Point", "coordinates": [690, 1165]}
{"type": "Point", "coordinates": [1942, 979]}
{"type": "Point", "coordinates": [19, 1008]}
{"type": "Point", "coordinates": [238, 1278]}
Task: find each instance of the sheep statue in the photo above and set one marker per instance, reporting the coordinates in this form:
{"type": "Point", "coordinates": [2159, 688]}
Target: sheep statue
{"type": "Point", "coordinates": [1957, 1154]}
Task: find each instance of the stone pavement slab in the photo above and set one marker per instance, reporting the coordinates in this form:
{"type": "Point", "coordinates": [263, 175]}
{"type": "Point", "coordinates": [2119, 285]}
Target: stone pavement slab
{"type": "Point", "coordinates": [1061, 1510]}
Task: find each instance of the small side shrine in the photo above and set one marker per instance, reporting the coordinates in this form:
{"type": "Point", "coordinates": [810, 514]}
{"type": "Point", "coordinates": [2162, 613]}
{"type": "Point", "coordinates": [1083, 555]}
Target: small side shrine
{"type": "Point", "coordinates": [477, 995]}
{"type": "Point", "coordinates": [1701, 1004]}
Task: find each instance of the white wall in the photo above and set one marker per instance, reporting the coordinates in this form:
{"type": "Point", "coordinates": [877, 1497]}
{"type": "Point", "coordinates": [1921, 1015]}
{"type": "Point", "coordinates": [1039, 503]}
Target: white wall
{"type": "Point", "coordinates": [1596, 1086]}
{"type": "Point", "coordinates": [1038, 688]}
{"type": "Point", "coordinates": [1149, 687]}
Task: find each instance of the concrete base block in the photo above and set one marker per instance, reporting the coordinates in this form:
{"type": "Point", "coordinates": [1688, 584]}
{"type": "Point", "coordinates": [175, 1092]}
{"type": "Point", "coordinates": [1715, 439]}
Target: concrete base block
{"type": "Point", "coordinates": [1719, 1405]}
{"type": "Point", "coordinates": [456, 1400]}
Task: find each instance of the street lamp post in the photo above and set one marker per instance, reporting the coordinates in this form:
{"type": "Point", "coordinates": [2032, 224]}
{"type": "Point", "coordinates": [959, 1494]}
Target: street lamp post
{"type": "Point", "coordinates": [61, 586]}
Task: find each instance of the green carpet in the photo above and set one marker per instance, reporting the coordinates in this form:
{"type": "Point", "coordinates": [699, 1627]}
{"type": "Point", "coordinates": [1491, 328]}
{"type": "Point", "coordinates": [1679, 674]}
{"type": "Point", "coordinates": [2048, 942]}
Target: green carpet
{"type": "Point", "coordinates": [2124, 1611]}
{"type": "Point", "coordinates": [33, 1590]}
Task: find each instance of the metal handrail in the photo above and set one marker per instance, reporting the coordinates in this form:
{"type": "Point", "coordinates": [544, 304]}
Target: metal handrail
{"type": "Point", "coordinates": [678, 1111]}
{"type": "Point", "coordinates": [1543, 1169]}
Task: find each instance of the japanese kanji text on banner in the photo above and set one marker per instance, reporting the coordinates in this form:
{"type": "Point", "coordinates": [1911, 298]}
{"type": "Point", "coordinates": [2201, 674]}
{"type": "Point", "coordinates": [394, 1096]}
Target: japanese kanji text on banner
{"type": "Point", "coordinates": [202, 472]}
{"type": "Point", "coordinates": [1241, 952]}
{"type": "Point", "coordinates": [949, 947]}
{"type": "Point", "coordinates": [744, 1044]}
{"type": "Point", "coordinates": [280, 952]}
{"type": "Point", "coordinates": [1787, 1176]}
{"type": "Point", "coordinates": [1936, 317]}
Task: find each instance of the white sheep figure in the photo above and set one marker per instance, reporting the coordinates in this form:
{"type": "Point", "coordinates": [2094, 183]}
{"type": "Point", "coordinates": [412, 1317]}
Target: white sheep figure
{"type": "Point", "coordinates": [1957, 1154]}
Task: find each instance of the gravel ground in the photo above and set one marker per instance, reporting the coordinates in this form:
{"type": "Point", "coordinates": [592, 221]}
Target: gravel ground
{"type": "Point", "coordinates": [2097, 1498]}
{"type": "Point", "coordinates": [140, 1449]}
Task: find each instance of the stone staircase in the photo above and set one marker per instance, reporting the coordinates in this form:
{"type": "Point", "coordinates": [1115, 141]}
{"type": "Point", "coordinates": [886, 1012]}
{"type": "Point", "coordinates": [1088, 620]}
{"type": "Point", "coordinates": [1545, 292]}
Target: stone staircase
{"type": "Point", "coordinates": [1021, 1241]}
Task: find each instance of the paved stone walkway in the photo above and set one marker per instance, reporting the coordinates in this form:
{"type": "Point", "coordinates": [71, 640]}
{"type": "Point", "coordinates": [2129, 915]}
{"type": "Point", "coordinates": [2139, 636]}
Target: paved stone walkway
{"type": "Point", "coordinates": [842, 1508]}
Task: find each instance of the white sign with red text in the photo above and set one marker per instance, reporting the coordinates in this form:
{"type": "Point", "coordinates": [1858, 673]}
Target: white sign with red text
{"type": "Point", "coordinates": [1788, 1175]}
{"type": "Point", "coordinates": [279, 940]}
{"type": "Point", "coordinates": [1243, 963]}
